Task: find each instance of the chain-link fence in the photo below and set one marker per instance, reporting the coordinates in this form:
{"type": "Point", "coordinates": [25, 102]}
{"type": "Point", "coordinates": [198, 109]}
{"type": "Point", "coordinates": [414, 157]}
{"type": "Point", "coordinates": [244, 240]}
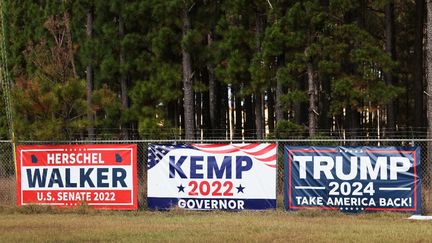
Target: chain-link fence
{"type": "Point", "coordinates": [7, 174]}
{"type": "Point", "coordinates": [8, 179]}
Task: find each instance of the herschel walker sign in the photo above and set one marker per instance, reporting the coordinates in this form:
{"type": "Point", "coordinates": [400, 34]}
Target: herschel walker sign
{"type": "Point", "coordinates": [102, 176]}
{"type": "Point", "coordinates": [212, 176]}
{"type": "Point", "coordinates": [353, 178]}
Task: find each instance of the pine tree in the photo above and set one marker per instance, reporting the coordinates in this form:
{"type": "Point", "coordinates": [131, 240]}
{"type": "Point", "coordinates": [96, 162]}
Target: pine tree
{"type": "Point", "coordinates": [311, 63]}
{"type": "Point", "coordinates": [51, 99]}
{"type": "Point", "coordinates": [419, 67]}
{"type": "Point", "coordinates": [188, 95]}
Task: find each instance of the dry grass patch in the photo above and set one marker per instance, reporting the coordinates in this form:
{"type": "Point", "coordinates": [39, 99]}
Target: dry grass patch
{"type": "Point", "coordinates": [180, 226]}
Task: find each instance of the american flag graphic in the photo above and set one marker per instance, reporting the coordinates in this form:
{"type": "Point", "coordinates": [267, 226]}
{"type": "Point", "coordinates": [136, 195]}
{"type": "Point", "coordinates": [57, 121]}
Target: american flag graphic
{"type": "Point", "coordinates": [263, 152]}
{"type": "Point", "coordinates": [157, 151]}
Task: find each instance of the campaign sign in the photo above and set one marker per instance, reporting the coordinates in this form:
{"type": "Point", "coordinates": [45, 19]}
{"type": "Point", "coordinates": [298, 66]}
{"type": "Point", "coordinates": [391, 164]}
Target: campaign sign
{"type": "Point", "coordinates": [353, 179]}
{"type": "Point", "coordinates": [102, 176]}
{"type": "Point", "coordinates": [212, 176]}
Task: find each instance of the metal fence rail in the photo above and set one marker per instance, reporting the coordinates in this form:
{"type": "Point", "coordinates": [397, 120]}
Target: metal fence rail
{"type": "Point", "coordinates": [8, 178]}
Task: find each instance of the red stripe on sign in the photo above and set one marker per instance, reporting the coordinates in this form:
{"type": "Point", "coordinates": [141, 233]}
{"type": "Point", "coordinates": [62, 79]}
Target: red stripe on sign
{"type": "Point", "coordinates": [224, 151]}
{"type": "Point", "coordinates": [262, 151]}
{"type": "Point", "coordinates": [269, 159]}
{"type": "Point", "coordinates": [273, 166]}
{"type": "Point", "coordinates": [70, 197]}
{"type": "Point", "coordinates": [249, 146]}
{"type": "Point", "coordinates": [265, 150]}
{"type": "Point", "coordinates": [216, 145]}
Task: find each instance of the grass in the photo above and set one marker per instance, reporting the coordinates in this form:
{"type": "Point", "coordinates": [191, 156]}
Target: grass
{"type": "Point", "coordinates": [48, 224]}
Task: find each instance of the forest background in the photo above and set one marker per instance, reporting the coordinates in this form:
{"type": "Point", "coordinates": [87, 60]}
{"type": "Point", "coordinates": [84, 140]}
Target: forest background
{"type": "Point", "coordinates": [183, 69]}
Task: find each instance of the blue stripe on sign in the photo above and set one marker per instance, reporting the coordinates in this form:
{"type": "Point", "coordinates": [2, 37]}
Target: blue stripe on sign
{"type": "Point", "coordinates": [211, 203]}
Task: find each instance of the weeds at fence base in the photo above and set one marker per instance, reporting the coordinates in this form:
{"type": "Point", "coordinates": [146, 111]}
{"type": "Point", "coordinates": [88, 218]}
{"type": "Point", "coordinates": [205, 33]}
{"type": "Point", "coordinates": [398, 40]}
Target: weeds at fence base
{"type": "Point", "coordinates": [7, 190]}
{"type": "Point", "coordinates": [48, 209]}
{"type": "Point", "coordinates": [426, 200]}
{"type": "Point", "coordinates": [316, 212]}
{"type": "Point", "coordinates": [384, 215]}
{"type": "Point", "coordinates": [313, 213]}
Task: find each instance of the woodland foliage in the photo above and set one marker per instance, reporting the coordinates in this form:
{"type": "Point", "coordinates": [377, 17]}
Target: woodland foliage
{"type": "Point", "coordinates": [299, 68]}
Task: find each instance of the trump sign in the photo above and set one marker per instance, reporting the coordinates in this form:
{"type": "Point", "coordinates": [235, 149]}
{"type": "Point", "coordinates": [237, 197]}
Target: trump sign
{"type": "Point", "coordinates": [212, 176]}
{"type": "Point", "coordinates": [353, 179]}
{"type": "Point", "coordinates": [102, 176]}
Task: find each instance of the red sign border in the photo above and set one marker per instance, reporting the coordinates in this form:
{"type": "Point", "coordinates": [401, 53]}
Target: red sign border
{"type": "Point", "coordinates": [132, 147]}
{"type": "Point", "coordinates": [290, 153]}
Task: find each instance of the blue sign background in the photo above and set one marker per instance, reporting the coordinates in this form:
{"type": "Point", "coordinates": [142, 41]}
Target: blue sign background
{"type": "Point", "coordinates": [357, 194]}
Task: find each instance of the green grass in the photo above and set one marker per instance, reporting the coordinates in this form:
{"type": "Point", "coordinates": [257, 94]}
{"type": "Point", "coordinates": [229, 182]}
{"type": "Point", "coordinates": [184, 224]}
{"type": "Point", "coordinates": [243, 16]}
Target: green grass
{"type": "Point", "coordinates": [84, 224]}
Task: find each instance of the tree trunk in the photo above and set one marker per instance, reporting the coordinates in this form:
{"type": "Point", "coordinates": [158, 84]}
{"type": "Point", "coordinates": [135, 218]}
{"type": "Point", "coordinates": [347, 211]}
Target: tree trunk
{"type": "Point", "coordinates": [353, 120]}
{"type": "Point", "coordinates": [89, 77]}
{"type": "Point", "coordinates": [66, 18]}
{"type": "Point", "coordinates": [231, 114]}
{"type": "Point", "coordinates": [250, 118]}
{"type": "Point", "coordinates": [312, 100]}
{"type": "Point", "coordinates": [205, 104]}
{"type": "Point", "coordinates": [429, 85]}
{"type": "Point", "coordinates": [224, 112]}
{"type": "Point", "coordinates": [221, 110]}
{"type": "Point", "coordinates": [182, 119]}
{"type": "Point", "coordinates": [259, 118]}
{"type": "Point", "coordinates": [324, 119]}
{"type": "Point", "coordinates": [212, 92]}
{"type": "Point", "coordinates": [418, 66]}
{"type": "Point", "coordinates": [123, 78]}
{"type": "Point", "coordinates": [205, 114]}
{"type": "Point", "coordinates": [352, 117]}
{"type": "Point", "coordinates": [198, 113]}
{"type": "Point", "coordinates": [279, 90]}
{"type": "Point", "coordinates": [270, 110]}
{"type": "Point", "coordinates": [300, 107]}
{"type": "Point", "coordinates": [172, 113]}
{"type": "Point", "coordinates": [188, 95]}
{"type": "Point", "coordinates": [391, 50]}
{"type": "Point", "coordinates": [238, 113]}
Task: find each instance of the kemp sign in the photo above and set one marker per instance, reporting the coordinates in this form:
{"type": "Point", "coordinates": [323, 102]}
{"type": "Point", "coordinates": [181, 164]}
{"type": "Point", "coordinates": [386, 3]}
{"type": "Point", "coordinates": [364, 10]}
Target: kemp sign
{"type": "Point", "coordinates": [102, 176]}
{"type": "Point", "coordinates": [212, 176]}
{"type": "Point", "coordinates": [353, 179]}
